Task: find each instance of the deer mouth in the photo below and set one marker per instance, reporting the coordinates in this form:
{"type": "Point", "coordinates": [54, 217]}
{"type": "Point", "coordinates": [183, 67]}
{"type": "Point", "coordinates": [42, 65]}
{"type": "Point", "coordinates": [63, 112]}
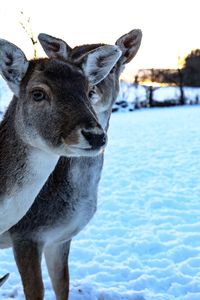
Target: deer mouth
{"type": "Point", "coordinates": [77, 150]}
{"type": "Point", "coordinates": [89, 148]}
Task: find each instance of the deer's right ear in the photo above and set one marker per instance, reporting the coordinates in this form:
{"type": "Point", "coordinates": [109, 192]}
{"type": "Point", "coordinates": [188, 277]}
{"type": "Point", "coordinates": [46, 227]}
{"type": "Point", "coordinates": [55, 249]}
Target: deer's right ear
{"type": "Point", "coordinates": [54, 47]}
{"type": "Point", "coordinates": [13, 65]}
{"type": "Point", "coordinates": [129, 44]}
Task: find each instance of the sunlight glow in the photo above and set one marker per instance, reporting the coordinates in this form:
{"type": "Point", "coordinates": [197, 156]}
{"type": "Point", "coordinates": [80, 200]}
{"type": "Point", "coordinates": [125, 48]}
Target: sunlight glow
{"type": "Point", "coordinates": [170, 28]}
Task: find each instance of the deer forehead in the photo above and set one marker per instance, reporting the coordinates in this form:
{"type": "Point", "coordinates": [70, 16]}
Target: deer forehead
{"type": "Point", "coordinates": [54, 74]}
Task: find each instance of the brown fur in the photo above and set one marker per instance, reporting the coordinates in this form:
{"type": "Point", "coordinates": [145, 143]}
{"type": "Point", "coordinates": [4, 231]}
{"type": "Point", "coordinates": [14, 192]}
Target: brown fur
{"type": "Point", "coordinates": [68, 200]}
{"type": "Point", "coordinates": [41, 129]}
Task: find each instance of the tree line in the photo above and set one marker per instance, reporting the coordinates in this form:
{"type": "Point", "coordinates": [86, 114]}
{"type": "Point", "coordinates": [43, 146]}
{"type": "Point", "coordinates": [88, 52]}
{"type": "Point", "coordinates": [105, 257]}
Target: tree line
{"type": "Point", "coordinates": [188, 75]}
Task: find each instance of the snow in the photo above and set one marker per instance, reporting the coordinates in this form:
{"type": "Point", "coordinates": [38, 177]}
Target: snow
{"type": "Point", "coordinates": [144, 241]}
{"type": "Point", "coordinates": [192, 94]}
{"type": "Point", "coordinates": [131, 92]}
{"type": "Point", "coordinates": [166, 93]}
{"type": "Point", "coordinates": [133, 96]}
{"type": "Point", "coordinates": [5, 95]}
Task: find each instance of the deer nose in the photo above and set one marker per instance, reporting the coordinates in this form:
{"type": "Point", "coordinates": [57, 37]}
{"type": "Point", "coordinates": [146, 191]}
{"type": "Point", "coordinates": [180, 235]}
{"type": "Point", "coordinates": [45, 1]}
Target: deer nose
{"type": "Point", "coordinates": [96, 140]}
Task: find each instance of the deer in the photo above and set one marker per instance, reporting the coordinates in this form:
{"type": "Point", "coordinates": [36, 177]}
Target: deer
{"type": "Point", "coordinates": [49, 116]}
{"type": "Point", "coordinates": [68, 200]}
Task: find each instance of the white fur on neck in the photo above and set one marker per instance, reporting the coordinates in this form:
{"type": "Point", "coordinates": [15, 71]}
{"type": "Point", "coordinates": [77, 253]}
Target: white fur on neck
{"type": "Point", "coordinates": [39, 166]}
{"type": "Point", "coordinates": [84, 199]}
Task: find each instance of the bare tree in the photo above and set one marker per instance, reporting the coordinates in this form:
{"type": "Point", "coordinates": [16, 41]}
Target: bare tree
{"type": "Point", "coordinates": [192, 68]}
{"type": "Point", "coordinates": [25, 22]}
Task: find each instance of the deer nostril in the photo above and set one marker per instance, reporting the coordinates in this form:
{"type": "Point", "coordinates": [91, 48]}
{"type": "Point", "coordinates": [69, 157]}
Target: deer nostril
{"type": "Point", "coordinates": [95, 140]}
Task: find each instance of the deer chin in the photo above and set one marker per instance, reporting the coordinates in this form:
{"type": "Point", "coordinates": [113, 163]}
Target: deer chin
{"type": "Point", "coordinates": [82, 148]}
{"type": "Point", "coordinates": [80, 151]}
{"type": "Point", "coordinates": [76, 150]}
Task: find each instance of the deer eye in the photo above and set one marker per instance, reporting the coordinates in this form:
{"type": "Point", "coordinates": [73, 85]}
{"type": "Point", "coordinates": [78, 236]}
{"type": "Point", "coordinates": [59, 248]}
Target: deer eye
{"type": "Point", "coordinates": [91, 93]}
{"type": "Point", "coordinates": [93, 96]}
{"type": "Point", "coordinates": [39, 95]}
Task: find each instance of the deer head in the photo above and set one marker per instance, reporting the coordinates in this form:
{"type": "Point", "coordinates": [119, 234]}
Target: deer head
{"type": "Point", "coordinates": [102, 94]}
{"type": "Point", "coordinates": [53, 110]}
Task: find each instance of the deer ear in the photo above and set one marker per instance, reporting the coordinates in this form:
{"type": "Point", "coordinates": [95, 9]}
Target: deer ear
{"type": "Point", "coordinates": [129, 45]}
{"type": "Point", "coordinates": [54, 47]}
{"type": "Point", "coordinates": [97, 63]}
{"type": "Point", "coordinates": [13, 65]}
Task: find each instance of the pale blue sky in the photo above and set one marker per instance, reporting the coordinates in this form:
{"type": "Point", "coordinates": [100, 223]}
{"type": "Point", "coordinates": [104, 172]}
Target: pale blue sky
{"type": "Point", "coordinates": [170, 28]}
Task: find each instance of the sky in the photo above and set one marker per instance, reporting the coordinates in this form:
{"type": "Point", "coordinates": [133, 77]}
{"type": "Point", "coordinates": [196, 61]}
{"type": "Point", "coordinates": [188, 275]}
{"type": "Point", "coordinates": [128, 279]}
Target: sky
{"type": "Point", "coordinates": [170, 28]}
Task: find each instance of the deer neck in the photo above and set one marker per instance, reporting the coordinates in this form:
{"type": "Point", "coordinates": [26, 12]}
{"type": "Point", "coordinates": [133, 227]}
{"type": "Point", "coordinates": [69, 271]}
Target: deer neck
{"type": "Point", "coordinates": [23, 171]}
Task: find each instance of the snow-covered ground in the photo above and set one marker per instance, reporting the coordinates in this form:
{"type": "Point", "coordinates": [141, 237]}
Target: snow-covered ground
{"type": "Point", "coordinates": [144, 241]}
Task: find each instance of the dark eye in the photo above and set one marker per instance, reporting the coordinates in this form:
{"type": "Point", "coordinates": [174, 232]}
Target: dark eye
{"type": "Point", "coordinates": [91, 93]}
{"type": "Point", "coordinates": [39, 95]}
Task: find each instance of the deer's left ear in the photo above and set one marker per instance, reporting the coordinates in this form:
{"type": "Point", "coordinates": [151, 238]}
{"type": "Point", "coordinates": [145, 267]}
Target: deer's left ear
{"type": "Point", "coordinates": [129, 44]}
{"type": "Point", "coordinates": [97, 63]}
{"type": "Point", "coordinates": [54, 47]}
